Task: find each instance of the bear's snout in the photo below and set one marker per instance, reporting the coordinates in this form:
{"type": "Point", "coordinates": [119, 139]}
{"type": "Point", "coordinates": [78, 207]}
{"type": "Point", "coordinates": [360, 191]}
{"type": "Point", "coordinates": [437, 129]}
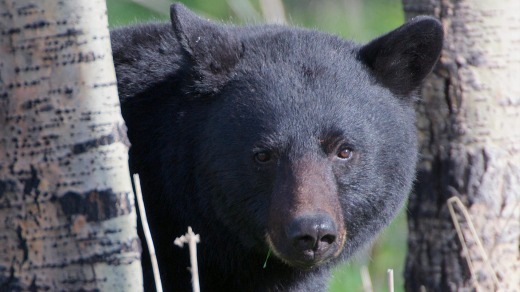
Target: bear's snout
{"type": "Point", "coordinates": [312, 235]}
{"type": "Point", "coordinates": [307, 239]}
{"type": "Point", "coordinates": [305, 225]}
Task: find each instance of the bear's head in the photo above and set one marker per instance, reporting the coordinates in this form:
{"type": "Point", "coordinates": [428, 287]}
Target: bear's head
{"type": "Point", "coordinates": [308, 147]}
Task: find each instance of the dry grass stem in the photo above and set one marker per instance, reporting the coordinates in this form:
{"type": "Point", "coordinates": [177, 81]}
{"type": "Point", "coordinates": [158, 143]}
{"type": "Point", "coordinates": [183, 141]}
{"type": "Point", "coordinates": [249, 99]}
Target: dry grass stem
{"type": "Point", "coordinates": [390, 274]}
{"type": "Point", "coordinates": [191, 239]}
{"type": "Point", "coordinates": [365, 278]}
{"type": "Point", "coordinates": [451, 202]}
{"type": "Point", "coordinates": [147, 234]}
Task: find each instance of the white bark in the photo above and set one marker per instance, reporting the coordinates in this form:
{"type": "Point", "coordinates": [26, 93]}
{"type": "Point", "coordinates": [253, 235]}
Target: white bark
{"type": "Point", "coordinates": [470, 132]}
{"type": "Point", "coordinates": [67, 218]}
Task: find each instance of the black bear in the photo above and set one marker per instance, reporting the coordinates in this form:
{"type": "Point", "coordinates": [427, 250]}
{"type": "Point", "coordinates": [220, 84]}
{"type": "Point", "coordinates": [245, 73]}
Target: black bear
{"type": "Point", "coordinates": [269, 140]}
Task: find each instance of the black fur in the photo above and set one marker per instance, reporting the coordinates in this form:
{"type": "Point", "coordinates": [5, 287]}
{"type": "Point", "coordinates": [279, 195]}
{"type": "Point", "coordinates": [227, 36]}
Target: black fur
{"type": "Point", "coordinates": [201, 99]}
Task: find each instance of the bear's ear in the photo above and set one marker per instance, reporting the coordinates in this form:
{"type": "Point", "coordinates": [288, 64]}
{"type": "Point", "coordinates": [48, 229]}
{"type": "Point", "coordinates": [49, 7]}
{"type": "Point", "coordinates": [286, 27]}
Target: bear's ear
{"type": "Point", "coordinates": [213, 48]}
{"type": "Point", "coordinates": [402, 58]}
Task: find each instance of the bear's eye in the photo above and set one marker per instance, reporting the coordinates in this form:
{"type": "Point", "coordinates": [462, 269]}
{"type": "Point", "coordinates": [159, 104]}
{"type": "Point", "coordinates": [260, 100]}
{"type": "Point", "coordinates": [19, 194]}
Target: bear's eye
{"type": "Point", "coordinates": [345, 153]}
{"type": "Point", "coordinates": [263, 157]}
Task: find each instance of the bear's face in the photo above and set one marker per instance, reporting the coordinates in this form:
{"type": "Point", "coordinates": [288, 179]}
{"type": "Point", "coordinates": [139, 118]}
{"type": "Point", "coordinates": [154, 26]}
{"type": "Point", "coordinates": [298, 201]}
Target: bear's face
{"type": "Point", "coordinates": [298, 161]}
{"type": "Point", "coordinates": [308, 148]}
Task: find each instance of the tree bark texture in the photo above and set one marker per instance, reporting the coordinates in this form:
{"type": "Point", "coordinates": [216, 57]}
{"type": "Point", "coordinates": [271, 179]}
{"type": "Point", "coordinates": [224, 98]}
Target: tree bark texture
{"type": "Point", "coordinates": [469, 124]}
{"type": "Point", "coordinates": [67, 217]}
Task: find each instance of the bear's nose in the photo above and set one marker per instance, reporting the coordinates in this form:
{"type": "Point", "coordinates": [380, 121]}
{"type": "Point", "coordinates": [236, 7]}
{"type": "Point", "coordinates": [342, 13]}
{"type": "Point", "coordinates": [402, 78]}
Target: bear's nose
{"type": "Point", "coordinates": [312, 233]}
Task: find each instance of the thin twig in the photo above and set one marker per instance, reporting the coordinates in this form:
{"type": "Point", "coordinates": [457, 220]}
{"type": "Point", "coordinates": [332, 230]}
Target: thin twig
{"type": "Point", "coordinates": [365, 278]}
{"type": "Point", "coordinates": [192, 239]}
{"type": "Point", "coordinates": [147, 234]}
{"type": "Point", "coordinates": [455, 200]}
{"type": "Point", "coordinates": [390, 274]}
{"type": "Point", "coordinates": [463, 243]}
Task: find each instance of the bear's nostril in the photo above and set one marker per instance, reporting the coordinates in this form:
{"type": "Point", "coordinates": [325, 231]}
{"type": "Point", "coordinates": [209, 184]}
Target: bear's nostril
{"type": "Point", "coordinates": [328, 238]}
{"type": "Point", "coordinates": [307, 238]}
{"type": "Point", "coordinates": [305, 242]}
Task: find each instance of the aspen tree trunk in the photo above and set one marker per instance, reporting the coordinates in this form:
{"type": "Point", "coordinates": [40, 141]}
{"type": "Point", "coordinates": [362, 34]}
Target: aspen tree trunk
{"type": "Point", "coordinates": [470, 137]}
{"type": "Point", "coordinates": [67, 218]}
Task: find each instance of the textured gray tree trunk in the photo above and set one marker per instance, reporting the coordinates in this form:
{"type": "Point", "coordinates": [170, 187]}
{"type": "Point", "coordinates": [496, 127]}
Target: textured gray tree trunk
{"type": "Point", "coordinates": [67, 218]}
{"type": "Point", "coordinates": [470, 137]}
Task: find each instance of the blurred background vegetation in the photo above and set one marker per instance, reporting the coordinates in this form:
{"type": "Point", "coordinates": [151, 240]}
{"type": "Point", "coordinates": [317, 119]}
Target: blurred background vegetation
{"type": "Point", "coordinates": [359, 20]}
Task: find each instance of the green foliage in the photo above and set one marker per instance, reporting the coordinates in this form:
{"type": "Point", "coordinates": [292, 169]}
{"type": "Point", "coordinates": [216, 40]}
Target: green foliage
{"type": "Point", "coordinates": [122, 12]}
{"type": "Point", "coordinates": [355, 19]}
{"type": "Point", "coordinates": [388, 252]}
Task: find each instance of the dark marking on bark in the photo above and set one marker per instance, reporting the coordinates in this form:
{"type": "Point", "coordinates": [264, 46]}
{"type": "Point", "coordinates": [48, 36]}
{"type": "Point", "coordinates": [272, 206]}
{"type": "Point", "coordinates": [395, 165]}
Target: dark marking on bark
{"type": "Point", "coordinates": [68, 91]}
{"type": "Point", "coordinates": [31, 183]}
{"type": "Point", "coordinates": [12, 31]}
{"type": "Point", "coordinates": [69, 33]}
{"type": "Point", "coordinates": [34, 103]}
{"type": "Point", "coordinates": [22, 244]}
{"type": "Point", "coordinates": [94, 205]}
{"type": "Point", "coordinates": [37, 24]}
{"type": "Point", "coordinates": [36, 68]}
{"type": "Point", "coordinates": [33, 287]}
{"type": "Point", "coordinates": [112, 231]}
{"type": "Point", "coordinates": [486, 157]}
{"type": "Point", "coordinates": [46, 108]}
{"type": "Point", "coordinates": [26, 10]}
{"type": "Point", "coordinates": [6, 14]}
{"type": "Point", "coordinates": [107, 84]}
{"type": "Point", "coordinates": [447, 85]}
{"type": "Point", "coordinates": [6, 186]}
{"type": "Point", "coordinates": [94, 143]}
{"type": "Point", "coordinates": [10, 283]}
{"type": "Point", "coordinates": [118, 135]}
{"type": "Point", "coordinates": [82, 57]}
